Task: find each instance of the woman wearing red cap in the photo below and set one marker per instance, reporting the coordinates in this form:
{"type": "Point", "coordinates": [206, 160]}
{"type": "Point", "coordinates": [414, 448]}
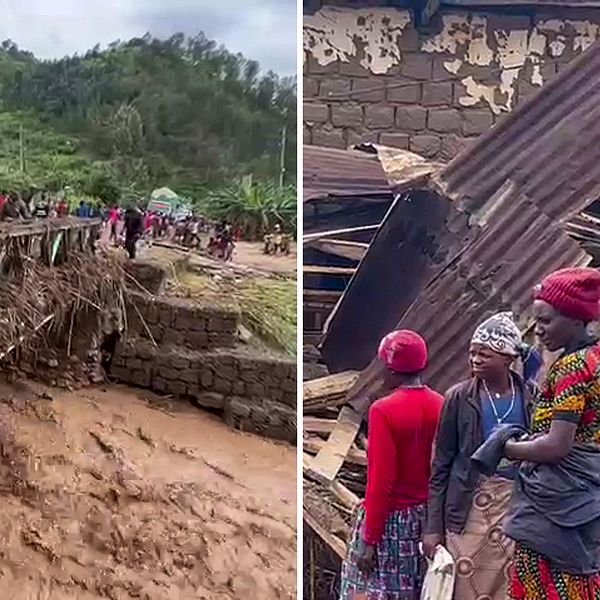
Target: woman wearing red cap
{"type": "Point", "coordinates": [467, 509]}
{"type": "Point", "coordinates": [384, 561]}
{"type": "Point", "coordinates": [555, 512]}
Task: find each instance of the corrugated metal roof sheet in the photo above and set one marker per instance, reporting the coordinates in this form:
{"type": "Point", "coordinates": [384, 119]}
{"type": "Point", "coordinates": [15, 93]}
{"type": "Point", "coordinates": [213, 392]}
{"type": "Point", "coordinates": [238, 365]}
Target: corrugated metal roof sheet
{"type": "Point", "coordinates": [548, 147]}
{"type": "Point", "coordinates": [333, 172]}
{"type": "Point", "coordinates": [497, 271]}
{"type": "Point", "coordinates": [520, 184]}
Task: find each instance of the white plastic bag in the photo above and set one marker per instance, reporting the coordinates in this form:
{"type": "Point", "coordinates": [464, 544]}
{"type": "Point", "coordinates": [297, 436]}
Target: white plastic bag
{"type": "Point", "coordinates": [439, 580]}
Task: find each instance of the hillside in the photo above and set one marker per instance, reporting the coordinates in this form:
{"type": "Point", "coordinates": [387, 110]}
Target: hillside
{"type": "Point", "coordinates": [181, 112]}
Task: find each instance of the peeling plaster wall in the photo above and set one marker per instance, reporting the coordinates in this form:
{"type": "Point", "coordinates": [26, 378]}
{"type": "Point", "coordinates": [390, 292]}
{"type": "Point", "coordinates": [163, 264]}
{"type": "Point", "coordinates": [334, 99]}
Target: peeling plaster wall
{"type": "Point", "coordinates": [369, 76]}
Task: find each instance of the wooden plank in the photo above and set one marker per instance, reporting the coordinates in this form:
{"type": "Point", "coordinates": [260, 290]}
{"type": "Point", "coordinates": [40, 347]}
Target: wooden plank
{"type": "Point", "coordinates": [331, 540]}
{"type": "Point", "coordinates": [342, 248]}
{"type": "Point", "coordinates": [330, 458]}
{"type": "Point", "coordinates": [332, 233]}
{"type": "Point", "coordinates": [331, 385]}
{"type": "Point", "coordinates": [349, 499]}
{"type": "Point", "coordinates": [324, 270]}
{"type": "Point", "coordinates": [355, 456]}
{"type": "Point", "coordinates": [316, 425]}
{"type": "Point", "coordinates": [322, 294]}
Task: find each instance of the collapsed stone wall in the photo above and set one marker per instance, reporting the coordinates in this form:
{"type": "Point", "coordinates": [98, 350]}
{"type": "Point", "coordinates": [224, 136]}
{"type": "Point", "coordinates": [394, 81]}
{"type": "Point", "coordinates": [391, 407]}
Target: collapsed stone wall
{"type": "Point", "coordinates": [370, 76]}
{"type": "Point", "coordinates": [186, 348]}
{"type": "Point", "coordinates": [256, 394]}
{"type": "Point", "coordinates": [151, 277]}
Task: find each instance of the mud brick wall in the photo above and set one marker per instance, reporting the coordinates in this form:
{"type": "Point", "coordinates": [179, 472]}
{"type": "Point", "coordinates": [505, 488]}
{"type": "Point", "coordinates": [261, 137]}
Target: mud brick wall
{"type": "Point", "coordinates": [151, 277]}
{"type": "Point", "coordinates": [181, 322]}
{"type": "Point", "coordinates": [370, 76]}
{"type": "Point", "coordinates": [255, 393]}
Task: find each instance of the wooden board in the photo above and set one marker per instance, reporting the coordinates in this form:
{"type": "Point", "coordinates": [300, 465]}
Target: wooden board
{"type": "Point", "coordinates": [330, 458]}
{"type": "Point", "coordinates": [316, 425]}
{"type": "Point", "coordinates": [323, 270]}
{"type": "Point", "coordinates": [321, 235]}
{"type": "Point", "coordinates": [342, 248]}
{"type": "Point", "coordinates": [314, 445]}
{"type": "Point", "coordinates": [331, 385]}
{"type": "Point", "coordinates": [331, 540]}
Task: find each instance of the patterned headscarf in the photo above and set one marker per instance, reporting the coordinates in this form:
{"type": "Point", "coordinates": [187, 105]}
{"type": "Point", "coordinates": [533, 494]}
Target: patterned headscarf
{"type": "Point", "coordinates": [500, 334]}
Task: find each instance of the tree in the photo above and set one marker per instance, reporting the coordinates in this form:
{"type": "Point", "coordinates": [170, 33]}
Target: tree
{"type": "Point", "coordinates": [177, 112]}
{"type": "Point", "coordinates": [103, 187]}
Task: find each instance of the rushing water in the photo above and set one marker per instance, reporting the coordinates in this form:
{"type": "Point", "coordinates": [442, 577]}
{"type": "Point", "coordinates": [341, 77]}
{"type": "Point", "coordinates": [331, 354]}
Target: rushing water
{"type": "Point", "coordinates": [109, 494]}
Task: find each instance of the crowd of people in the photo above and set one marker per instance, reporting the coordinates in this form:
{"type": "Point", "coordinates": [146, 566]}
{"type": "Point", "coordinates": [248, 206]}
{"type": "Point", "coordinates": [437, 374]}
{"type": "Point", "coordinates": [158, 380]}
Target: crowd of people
{"type": "Point", "coordinates": [129, 227]}
{"type": "Point", "coordinates": [135, 225]}
{"type": "Point", "coordinates": [503, 472]}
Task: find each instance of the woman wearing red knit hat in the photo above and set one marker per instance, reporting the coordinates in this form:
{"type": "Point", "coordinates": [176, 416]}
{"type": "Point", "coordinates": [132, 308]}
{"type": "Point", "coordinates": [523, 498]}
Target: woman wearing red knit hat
{"type": "Point", "coordinates": [555, 511]}
{"type": "Point", "coordinates": [384, 561]}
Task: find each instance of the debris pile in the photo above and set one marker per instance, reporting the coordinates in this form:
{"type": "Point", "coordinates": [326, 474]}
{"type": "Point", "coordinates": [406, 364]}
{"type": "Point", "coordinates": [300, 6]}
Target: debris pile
{"type": "Point", "coordinates": [52, 303]}
{"type": "Point", "coordinates": [328, 508]}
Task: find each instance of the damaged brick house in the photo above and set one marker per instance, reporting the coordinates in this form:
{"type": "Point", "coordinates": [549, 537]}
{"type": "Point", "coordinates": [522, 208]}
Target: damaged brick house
{"type": "Point", "coordinates": [431, 77]}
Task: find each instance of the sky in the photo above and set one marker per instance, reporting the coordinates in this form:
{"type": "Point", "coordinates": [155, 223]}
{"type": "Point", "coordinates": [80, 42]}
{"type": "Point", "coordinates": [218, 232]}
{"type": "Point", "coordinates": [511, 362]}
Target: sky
{"type": "Point", "coordinates": [263, 30]}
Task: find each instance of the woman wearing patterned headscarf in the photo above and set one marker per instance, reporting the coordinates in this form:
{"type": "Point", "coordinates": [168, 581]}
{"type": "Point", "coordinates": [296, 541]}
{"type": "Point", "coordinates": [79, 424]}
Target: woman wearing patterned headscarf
{"type": "Point", "coordinates": [384, 561]}
{"type": "Point", "coordinates": [466, 508]}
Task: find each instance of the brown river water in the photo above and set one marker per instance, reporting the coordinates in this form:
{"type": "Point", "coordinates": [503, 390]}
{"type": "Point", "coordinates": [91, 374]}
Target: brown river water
{"type": "Point", "coordinates": [112, 493]}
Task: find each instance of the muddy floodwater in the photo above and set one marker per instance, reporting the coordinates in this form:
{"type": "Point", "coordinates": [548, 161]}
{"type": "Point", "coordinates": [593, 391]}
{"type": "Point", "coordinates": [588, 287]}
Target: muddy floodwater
{"type": "Point", "coordinates": [110, 493]}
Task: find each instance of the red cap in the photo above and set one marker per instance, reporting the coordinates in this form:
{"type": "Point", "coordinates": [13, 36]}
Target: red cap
{"type": "Point", "coordinates": [403, 352]}
{"type": "Point", "coordinates": [574, 292]}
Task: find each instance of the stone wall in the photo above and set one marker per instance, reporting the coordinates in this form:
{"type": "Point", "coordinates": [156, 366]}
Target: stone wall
{"type": "Point", "coordinates": [255, 393]}
{"type": "Point", "coordinates": [151, 277]}
{"type": "Point", "coordinates": [188, 349]}
{"type": "Point", "coordinates": [178, 321]}
{"type": "Point", "coordinates": [371, 77]}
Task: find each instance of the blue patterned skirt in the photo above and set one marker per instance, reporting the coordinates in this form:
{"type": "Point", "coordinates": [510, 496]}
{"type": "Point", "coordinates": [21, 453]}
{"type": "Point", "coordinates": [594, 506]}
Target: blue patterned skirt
{"type": "Point", "coordinates": [400, 568]}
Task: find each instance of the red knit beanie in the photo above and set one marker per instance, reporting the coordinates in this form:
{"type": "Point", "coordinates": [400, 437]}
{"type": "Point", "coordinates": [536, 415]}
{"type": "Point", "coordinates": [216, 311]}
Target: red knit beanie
{"type": "Point", "coordinates": [403, 351]}
{"type": "Point", "coordinates": [574, 292]}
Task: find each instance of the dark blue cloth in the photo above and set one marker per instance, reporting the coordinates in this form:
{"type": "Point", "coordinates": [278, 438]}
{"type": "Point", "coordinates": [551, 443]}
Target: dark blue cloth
{"type": "Point", "coordinates": [532, 363]}
{"type": "Point", "coordinates": [491, 453]}
{"type": "Point", "coordinates": [555, 510]}
{"type": "Point", "coordinates": [490, 423]}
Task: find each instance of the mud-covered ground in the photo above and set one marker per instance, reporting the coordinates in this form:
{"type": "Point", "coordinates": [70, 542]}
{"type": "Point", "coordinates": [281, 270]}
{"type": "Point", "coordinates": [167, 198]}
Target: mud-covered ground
{"type": "Point", "coordinates": [111, 493]}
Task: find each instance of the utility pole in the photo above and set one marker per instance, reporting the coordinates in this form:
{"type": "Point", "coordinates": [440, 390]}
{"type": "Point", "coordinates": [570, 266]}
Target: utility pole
{"type": "Point", "coordinates": [21, 148]}
{"type": "Point", "coordinates": [282, 159]}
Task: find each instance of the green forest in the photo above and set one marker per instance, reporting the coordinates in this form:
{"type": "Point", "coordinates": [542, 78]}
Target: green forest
{"type": "Point", "coordinates": [116, 123]}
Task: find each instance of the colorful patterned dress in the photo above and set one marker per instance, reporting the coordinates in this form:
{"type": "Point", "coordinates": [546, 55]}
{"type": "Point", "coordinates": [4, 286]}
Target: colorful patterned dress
{"type": "Point", "coordinates": [571, 393]}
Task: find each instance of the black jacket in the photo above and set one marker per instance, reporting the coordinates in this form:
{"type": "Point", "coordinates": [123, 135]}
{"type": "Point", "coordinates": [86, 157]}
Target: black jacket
{"type": "Point", "coordinates": [454, 476]}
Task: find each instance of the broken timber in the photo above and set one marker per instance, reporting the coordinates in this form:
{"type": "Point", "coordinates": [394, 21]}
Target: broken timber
{"type": "Point", "coordinates": [329, 391]}
{"type": "Point", "coordinates": [342, 248]}
{"type": "Point", "coordinates": [324, 270]}
{"type": "Point", "coordinates": [331, 540]}
{"type": "Point", "coordinates": [325, 466]}
{"type": "Point", "coordinates": [321, 235]}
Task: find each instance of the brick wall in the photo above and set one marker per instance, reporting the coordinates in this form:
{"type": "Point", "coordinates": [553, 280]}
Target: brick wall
{"type": "Point", "coordinates": [181, 322]}
{"type": "Point", "coordinates": [185, 348]}
{"type": "Point", "coordinates": [255, 393]}
{"type": "Point", "coordinates": [369, 76]}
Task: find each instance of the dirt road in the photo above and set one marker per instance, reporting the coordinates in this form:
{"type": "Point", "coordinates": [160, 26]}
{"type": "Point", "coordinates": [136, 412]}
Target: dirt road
{"type": "Point", "coordinates": [107, 494]}
{"type": "Point", "coordinates": [249, 254]}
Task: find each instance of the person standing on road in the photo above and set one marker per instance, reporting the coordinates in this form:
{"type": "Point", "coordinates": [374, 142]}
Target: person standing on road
{"type": "Point", "coordinates": [134, 230]}
{"type": "Point", "coordinates": [113, 221]}
{"type": "Point", "coordinates": [384, 559]}
{"type": "Point", "coordinates": [467, 510]}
